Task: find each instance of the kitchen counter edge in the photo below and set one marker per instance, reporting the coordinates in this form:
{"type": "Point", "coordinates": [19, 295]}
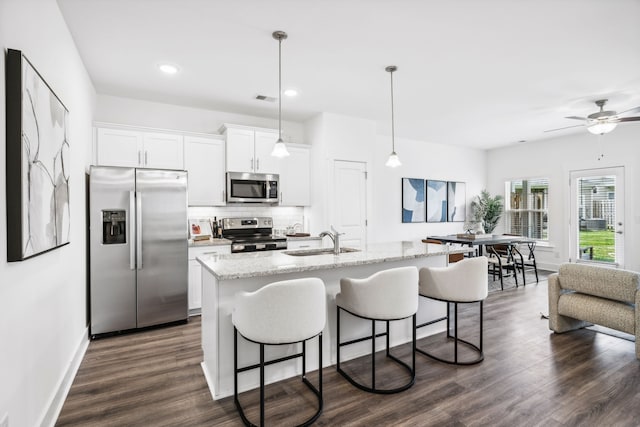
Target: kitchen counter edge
{"type": "Point", "coordinates": [258, 264]}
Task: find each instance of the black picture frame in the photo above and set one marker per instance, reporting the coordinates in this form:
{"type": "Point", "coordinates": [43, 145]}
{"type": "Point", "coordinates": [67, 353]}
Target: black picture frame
{"type": "Point", "coordinates": [37, 162]}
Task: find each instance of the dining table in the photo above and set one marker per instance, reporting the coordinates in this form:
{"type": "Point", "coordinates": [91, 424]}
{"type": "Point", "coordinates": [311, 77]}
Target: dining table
{"type": "Point", "coordinates": [481, 240]}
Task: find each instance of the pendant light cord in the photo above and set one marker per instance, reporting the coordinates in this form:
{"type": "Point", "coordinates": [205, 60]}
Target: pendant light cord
{"type": "Point", "coordinates": [393, 132]}
{"type": "Point", "coordinates": [280, 89]}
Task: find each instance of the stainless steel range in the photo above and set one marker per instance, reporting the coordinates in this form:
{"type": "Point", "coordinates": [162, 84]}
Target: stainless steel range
{"type": "Point", "coordinates": [251, 235]}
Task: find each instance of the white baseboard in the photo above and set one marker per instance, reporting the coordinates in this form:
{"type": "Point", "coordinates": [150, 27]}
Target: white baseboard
{"type": "Point", "coordinates": [51, 415]}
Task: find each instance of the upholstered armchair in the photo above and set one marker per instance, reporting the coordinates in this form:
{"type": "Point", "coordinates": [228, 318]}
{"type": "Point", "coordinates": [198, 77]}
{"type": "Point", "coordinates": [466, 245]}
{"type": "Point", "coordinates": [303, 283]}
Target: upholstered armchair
{"type": "Point", "coordinates": [581, 295]}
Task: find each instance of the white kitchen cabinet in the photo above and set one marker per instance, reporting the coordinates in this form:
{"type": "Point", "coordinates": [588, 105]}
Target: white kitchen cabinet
{"type": "Point", "coordinates": [195, 273]}
{"type": "Point", "coordinates": [163, 151]}
{"type": "Point", "coordinates": [117, 147]}
{"type": "Point", "coordinates": [295, 184]}
{"type": "Point", "coordinates": [249, 150]}
{"type": "Point", "coordinates": [134, 148]}
{"type": "Point", "coordinates": [302, 243]}
{"type": "Point", "coordinates": [204, 161]}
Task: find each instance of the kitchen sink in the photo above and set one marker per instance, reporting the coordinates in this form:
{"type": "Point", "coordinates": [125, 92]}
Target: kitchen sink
{"type": "Point", "coordinates": [323, 251]}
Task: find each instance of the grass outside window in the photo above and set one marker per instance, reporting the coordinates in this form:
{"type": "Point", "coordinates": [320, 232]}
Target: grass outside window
{"type": "Point", "coordinates": [603, 243]}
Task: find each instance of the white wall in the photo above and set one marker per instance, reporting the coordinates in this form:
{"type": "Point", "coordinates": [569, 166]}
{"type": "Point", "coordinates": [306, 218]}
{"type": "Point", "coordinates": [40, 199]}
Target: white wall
{"type": "Point", "coordinates": [346, 138]}
{"type": "Point", "coordinates": [335, 137]}
{"type": "Point", "coordinates": [42, 300]}
{"type": "Point", "coordinates": [134, 112]}
{"type": "Point", "coordinates": [420, 160]}
{"type": "Point", "coordinates": [554, 159]}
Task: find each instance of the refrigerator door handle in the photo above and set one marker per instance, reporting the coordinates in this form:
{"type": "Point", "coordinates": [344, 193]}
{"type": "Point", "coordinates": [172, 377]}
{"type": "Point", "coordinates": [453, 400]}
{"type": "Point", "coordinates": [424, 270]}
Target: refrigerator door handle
{"type": "Point", "coordinates": [132, 230]}
{"type": "Point", "coordinates": [139, 228]}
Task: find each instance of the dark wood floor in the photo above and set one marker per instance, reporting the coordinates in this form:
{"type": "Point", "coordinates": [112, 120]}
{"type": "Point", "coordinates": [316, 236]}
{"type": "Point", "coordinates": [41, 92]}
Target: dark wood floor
{"type": "Point", "coordinates": [530, 377]}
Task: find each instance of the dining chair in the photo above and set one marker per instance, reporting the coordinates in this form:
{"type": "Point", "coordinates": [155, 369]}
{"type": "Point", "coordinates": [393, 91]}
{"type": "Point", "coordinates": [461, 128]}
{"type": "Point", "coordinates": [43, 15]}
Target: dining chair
{"type": "Point", "coordinates": [503, 261]}
{"type": "Point", "coordinates": [529, 261]}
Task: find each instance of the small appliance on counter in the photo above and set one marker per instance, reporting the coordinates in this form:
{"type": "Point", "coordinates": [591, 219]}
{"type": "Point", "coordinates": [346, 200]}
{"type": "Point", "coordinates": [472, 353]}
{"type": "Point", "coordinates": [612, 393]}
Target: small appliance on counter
{"type": "Point", "coordinates": [251, 234]}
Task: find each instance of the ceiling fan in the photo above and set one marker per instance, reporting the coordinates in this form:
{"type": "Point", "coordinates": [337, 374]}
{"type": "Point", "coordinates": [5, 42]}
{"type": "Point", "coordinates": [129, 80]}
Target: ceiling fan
{"type": "Point", "coordinates": [602, 121]}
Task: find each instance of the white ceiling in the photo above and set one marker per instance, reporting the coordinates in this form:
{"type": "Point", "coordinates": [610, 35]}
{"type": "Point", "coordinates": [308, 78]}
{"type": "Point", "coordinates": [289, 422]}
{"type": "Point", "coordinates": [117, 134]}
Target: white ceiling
{"type": "Point", "coordinates": [471, 73]}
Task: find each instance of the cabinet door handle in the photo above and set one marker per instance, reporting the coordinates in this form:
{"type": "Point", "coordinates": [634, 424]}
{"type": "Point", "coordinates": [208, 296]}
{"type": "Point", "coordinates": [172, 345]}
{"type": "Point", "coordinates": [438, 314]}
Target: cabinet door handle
{"type": "Point", "coordinates": [257, 164]}
{"type": "Point", "coordinates": [139, 159]}
{"type": "Point", "coordinates": [146, 156]}
{"type": "Point", "coordinates": [252, 163]}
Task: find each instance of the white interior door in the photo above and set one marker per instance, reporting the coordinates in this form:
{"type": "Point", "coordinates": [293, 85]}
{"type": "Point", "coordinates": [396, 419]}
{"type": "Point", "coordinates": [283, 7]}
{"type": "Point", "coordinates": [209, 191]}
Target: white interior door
{"type": "Point", "coordinates": [350, 202]}
{"type": "Point", "coordinates": [597, 216]}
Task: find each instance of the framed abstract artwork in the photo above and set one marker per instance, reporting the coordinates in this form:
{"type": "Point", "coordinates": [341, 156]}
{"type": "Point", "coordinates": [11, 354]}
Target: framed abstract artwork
{"type": "Point", "coordinates": [436, 201]}
{"type": "Point", "coordinates": [456, 201]}
{"type": "Point", "coordinates": [413, 203]}
{"type": "Point", "coordinates": [38, 217]}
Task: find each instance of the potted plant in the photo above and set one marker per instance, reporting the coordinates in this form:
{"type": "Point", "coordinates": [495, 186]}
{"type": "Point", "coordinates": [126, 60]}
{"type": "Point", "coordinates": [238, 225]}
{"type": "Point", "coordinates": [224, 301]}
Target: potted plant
{"type": "Point", "coordinates": [487, 210]}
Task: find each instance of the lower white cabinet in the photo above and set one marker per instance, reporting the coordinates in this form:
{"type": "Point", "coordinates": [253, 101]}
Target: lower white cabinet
{"type": "Point", "coordinates": [195, 273]}
{"type": "Point", "coordinates": [302, 243]}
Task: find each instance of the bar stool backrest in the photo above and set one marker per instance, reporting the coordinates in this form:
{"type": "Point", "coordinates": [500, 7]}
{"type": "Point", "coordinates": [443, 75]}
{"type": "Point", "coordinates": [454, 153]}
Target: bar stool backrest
{"type": "Point", "coordinates": [282, 312]}
{"type": "Point", "coordinates": [464, 281]}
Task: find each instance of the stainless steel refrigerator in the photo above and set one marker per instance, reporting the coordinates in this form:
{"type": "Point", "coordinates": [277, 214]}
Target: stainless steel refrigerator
{"type": "Point", "coordinates": [137, 248]}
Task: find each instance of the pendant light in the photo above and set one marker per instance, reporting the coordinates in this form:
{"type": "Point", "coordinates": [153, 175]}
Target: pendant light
{"type": "Point", "coordinates": [394, 160]}
{"type": "Point", "coordinates": [279, 149]}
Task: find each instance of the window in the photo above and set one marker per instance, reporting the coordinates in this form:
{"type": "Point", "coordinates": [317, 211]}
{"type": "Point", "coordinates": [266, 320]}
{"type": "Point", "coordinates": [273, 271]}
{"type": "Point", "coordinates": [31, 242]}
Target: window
{"type": "Point", "coordinates": [526, 208]}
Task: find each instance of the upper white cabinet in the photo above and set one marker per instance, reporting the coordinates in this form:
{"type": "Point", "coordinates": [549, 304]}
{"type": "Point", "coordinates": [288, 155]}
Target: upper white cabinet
{"type": "Point", "coordinates": [204, 161]}
{"type": "Point", "coordinates": [163, 151]}
{"type": "Point", "coordinates": [295, 184]}
{"type": "Point", "coordinates": [249, 150]}
{"type": "Point", "coordinates": [133, 148]}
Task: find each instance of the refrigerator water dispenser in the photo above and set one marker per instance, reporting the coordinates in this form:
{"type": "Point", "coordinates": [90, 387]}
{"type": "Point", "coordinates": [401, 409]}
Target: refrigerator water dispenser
{"type": "Point", "coordinates": [114, 227]}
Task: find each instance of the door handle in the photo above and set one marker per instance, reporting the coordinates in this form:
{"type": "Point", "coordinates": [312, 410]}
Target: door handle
{"type": "Point", "coordinates": [132, 230]}
{"type": "Point", "coordinates": [139, 228]}
{"type": "Point", "coordinates": [258, 164]}
{"type": "Point", "coordinates": [619, 232]}
{"type": "Point", "coordinates": [139, 158]}
{"type": "Point", "coordinates": [252, 163]}
{"type": "Point", "coordinates": [146, 156]}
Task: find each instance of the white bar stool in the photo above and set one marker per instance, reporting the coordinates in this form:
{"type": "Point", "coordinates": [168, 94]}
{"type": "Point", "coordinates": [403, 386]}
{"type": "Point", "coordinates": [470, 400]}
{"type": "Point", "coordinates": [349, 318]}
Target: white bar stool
{"type": "Point", "coordinates": [459, 283]}
{"type": "Point", "coordinates": [387, 295]}
{"type": "Point", "coordinates": [285, 312]}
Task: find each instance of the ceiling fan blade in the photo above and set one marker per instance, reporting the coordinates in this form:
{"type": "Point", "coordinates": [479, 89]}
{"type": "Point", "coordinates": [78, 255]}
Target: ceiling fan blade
{"type": "Point", "coordinates": [576, 118]}
{"type": "Point", "coordinates": [631, 111]}
{"type": "Point", "coordinates": [628, 119]}
{"type": "Point", "coordinates": [566, 127]}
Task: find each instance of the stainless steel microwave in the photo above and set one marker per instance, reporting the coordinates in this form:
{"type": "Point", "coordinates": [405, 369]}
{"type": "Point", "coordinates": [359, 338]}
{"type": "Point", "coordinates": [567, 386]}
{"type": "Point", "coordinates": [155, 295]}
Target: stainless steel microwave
{"type": "Point", "coordinates": [252, 188]}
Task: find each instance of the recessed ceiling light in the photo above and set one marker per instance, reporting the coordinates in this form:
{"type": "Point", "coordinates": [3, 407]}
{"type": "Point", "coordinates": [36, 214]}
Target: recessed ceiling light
{"type": "Point", "coordinates": [168, 68]}
{"type": "Point", "coordinates": [290, 92]}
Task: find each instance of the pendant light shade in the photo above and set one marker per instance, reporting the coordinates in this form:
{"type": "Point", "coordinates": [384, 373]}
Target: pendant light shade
{"type": "Point", "coordinates": [394, 160]}
{"type": "Point", "coordinates": [279, 149]}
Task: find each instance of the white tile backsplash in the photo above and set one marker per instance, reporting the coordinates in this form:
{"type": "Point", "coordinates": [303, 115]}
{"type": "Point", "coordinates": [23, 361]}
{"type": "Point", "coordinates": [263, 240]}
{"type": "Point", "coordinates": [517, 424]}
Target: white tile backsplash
{"type": "Point", "coordinates": [283, 216]}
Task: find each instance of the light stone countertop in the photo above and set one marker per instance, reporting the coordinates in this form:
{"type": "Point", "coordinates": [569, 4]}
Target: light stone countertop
{"type": "Point", "coordinates": [294, 238]}
{"type": "Point", "coordinates": [267, 263]}
{"type": "Point", "coordinates": [209, 242]}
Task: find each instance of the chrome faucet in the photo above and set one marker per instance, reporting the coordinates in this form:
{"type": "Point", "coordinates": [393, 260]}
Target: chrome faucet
{"type": "Point", "coordinates": [335, 238]}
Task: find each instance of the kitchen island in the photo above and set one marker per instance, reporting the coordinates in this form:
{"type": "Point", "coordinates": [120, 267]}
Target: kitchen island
{"type": "Point", "coordinates": [223, 276]}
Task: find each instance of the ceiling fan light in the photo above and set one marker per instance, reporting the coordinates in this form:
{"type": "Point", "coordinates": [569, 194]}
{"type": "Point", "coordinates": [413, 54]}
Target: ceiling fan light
{"type": "Point", "coordinates": [600, 128]}
{"type": "Point", "coordinates": [280, 149]}
{"type": "Point", "coordinates": [393, 161]}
